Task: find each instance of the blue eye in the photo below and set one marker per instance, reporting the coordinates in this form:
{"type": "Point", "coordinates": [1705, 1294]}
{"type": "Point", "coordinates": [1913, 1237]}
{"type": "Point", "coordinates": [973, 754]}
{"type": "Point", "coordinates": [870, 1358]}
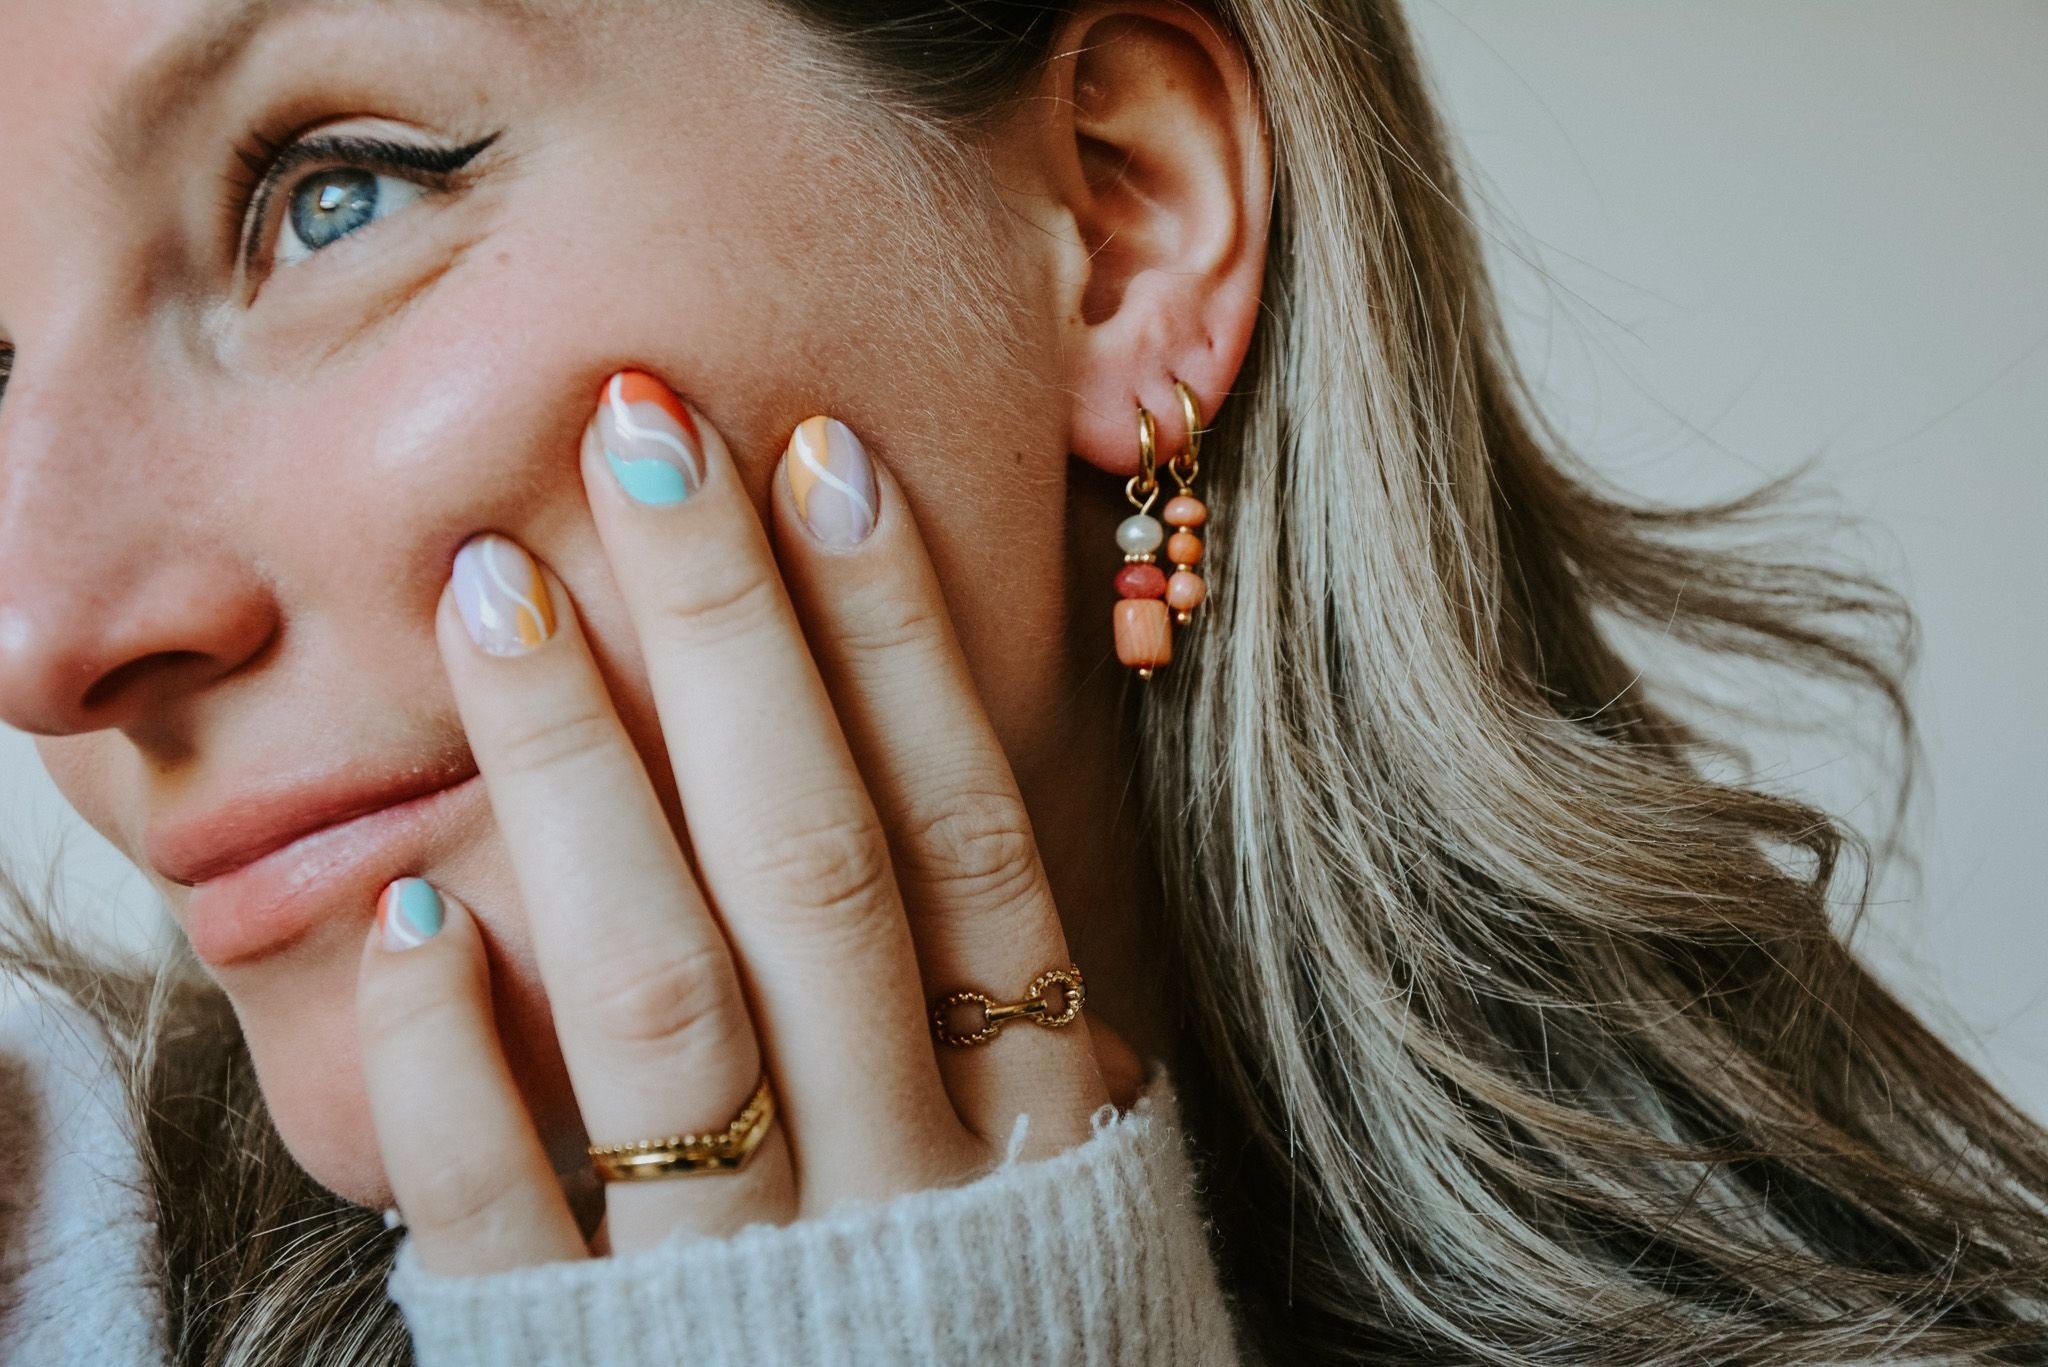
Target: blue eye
{"type": "Point", "coordinates": [330, 205]}
{"type": "Point", "coordinates": [334, 186]}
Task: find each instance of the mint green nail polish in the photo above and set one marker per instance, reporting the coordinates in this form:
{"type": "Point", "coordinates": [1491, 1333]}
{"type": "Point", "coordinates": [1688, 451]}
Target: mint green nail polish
{"type": "Point", "coordinates": [411, 913]}
{"type": "Point", "coordinates": [653, 482]}
{"type": "Point", "coordinates": [650, 442]}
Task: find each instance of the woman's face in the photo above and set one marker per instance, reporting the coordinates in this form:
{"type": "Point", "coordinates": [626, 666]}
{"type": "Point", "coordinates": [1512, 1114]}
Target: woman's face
{"type": "Point", "coordinates": [252, 420]}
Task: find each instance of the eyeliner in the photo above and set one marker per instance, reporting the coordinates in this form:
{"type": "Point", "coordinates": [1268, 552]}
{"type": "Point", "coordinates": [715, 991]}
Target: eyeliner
{"type": "Point", "coordinates": [373, 154]}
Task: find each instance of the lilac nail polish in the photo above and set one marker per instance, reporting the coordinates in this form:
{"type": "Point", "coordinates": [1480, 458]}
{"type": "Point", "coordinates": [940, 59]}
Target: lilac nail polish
{"type": "Point", "coordinates": [832, 481]}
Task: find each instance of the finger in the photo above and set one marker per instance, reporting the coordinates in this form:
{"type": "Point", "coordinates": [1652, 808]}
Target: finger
{"type": "Point", "coordinates": [647, 1003]}
{"type": "Point", "coordinates": [788, 842]}
{"type": "Point", "coordinates": [981, 910]}
{"type": "Point", "coordinates": [467, 1170]}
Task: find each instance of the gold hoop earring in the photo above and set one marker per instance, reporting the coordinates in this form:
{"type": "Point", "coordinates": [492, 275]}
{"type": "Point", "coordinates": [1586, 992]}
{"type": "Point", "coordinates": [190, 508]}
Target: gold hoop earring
{"type": "Point", "coordinates": [1148, 601]}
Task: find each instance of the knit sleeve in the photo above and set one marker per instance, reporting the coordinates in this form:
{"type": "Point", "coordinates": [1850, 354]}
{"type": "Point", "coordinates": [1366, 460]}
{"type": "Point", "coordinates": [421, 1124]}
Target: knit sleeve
{"type": "Point", "coordinates": [79, 1276]}
{"type": "Point", "coordinates": [1094, 1257]}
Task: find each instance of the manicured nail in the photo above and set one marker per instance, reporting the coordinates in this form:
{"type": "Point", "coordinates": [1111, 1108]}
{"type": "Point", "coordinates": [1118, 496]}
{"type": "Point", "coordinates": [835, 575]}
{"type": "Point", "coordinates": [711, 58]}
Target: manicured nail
{"type": "Point", "coordinates": [409, 913]}
{"type": "Point", "coordinates": [649, 440]}
{"type": "Point", "coordinates": [502, 596]}
{"type": "Point", "coordinates": [832, 481]}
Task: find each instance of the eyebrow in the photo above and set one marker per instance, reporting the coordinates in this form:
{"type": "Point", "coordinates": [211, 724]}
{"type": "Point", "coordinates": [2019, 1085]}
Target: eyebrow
{"type": "Point", "coordinates": [213, 46]}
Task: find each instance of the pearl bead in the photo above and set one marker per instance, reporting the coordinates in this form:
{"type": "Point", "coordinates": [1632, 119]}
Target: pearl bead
{"type": "Point", "coordinates": [1185, 510]}
{"type": "Point", "coordinates": [1141, 581]}
{"type": "Point", "coordinates": [1140, 534]}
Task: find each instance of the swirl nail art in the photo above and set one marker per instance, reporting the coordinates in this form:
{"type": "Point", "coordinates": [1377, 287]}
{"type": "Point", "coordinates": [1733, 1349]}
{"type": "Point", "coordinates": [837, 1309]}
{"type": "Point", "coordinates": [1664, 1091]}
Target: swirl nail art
{"type": "Point", "coordinates": [502, 597]}
{"type": "Point", "coordinates": [649, 441]}
{"type": "Point", "coordinates": [409, 913]}
{"type": "Point", "coordinates": [832, 481]}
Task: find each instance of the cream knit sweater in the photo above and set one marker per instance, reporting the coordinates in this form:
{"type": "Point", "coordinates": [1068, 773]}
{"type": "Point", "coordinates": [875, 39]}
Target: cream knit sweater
{"type": "Point", "coordinates": [1099, 1256]}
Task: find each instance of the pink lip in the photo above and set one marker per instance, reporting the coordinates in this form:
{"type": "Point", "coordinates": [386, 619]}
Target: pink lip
{"type": "Point", "coordinates": [264, 871]}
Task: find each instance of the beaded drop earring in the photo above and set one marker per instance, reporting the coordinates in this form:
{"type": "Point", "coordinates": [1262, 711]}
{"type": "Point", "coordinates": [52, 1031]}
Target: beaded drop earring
{"type": "Point", "coordinates": [1186, 514]}
{"type": "Point", "coordinates": [1150, 601]}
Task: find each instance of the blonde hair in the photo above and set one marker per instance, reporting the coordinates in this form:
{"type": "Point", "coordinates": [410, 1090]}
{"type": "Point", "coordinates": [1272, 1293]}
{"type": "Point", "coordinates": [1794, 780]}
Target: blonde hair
{"type": "Point", "coordinates": [1516, 1036]}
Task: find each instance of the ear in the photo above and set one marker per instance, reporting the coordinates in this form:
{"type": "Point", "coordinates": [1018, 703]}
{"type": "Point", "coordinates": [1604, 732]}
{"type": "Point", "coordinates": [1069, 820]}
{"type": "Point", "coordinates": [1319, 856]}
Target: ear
{"type": "Point", "coordinates": [1155, 147]}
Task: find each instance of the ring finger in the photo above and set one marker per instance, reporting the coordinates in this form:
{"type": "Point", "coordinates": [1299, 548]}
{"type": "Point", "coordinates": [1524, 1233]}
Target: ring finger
{"type": "Point", "coordinates": [646, 1000]}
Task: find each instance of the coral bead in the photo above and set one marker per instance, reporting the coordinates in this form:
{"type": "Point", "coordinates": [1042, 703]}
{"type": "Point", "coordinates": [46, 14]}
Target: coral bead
{"type": "Point", "coordinates": [1140, 535]}
{"type": "Point", "coordinates": [1141, 581]}
{"type": "Point", "coordinates": [1184, 549]}
{"type": "Point", "coordinates": [1185, 510]}
{"type": "Point", "coordinates": [1185, 592]}
{"type": "Point", "coordinates": [1144, 633]}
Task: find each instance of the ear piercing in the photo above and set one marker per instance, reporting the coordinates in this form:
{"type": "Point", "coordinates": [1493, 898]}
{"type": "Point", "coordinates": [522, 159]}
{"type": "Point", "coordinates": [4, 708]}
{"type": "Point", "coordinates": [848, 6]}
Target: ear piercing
{"type": "Point", "coordinates": [1151, 602]}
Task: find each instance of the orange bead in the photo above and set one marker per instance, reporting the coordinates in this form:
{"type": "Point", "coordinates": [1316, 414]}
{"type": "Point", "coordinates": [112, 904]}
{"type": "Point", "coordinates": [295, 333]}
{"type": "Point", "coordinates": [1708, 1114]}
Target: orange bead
{"type": "Point", "coordinates": [1185, 591]}
{"type": "Point", "coordinates": [1185, 510]}
{"type": "Point", "coordinates": [1184, 548]}
{"type": "Point", "coordinates": [1144, 633]}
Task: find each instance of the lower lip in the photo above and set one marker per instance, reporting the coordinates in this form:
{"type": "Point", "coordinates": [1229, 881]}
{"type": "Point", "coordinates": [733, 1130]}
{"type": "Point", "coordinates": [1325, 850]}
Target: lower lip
{"type": "Point", "coordinates": [327, 877]}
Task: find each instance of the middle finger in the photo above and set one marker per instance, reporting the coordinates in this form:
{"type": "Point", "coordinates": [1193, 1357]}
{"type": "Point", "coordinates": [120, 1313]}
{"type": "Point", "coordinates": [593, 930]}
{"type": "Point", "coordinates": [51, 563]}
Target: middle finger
{"type": "Point", "coordinates": [791, 849]}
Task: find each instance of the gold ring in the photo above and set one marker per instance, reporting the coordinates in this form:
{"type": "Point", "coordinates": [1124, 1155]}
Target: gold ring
{"type": "Point", "coordinates": [994, 1015]}
{"type": "Point", "coordinates": [688, 1155]}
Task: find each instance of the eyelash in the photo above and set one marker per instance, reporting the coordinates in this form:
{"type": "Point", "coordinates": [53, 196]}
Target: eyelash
{"type": "Point", "coordinates": [267, 164]}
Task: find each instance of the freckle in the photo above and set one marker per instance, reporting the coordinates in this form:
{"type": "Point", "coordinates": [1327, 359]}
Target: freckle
{"type": "Point", "coordinates": [503, 257]}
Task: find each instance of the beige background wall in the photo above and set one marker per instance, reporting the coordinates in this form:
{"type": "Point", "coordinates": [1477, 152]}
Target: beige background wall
{"type": "Point", "coordinates": [1734, 236]}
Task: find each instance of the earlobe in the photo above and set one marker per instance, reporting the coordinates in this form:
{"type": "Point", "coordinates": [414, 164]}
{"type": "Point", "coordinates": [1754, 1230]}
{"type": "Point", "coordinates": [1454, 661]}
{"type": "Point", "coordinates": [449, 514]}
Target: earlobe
{"type": "Point", "coordinates": [1160, 158]}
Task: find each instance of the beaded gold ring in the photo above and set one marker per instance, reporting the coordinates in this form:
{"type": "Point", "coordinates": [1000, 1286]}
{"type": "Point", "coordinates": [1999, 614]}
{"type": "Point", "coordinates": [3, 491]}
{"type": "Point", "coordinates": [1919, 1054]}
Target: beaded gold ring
{"type": "Point", "coordinates": [691, 1155]}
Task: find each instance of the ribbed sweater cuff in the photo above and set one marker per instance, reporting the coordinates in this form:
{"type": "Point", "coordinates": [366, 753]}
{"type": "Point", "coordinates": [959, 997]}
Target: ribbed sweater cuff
{"type": "Point", "coordinates": [1094, 1257]}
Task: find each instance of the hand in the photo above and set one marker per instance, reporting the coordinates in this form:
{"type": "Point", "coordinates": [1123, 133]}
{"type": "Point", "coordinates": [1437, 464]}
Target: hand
{"type": "Point", "coordinates": [858, 833]}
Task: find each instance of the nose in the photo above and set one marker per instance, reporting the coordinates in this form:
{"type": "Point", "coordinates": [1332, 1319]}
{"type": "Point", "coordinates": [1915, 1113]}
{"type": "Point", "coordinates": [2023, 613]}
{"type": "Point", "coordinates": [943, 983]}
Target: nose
{"type": "Point", "coordinates": [117, 598]}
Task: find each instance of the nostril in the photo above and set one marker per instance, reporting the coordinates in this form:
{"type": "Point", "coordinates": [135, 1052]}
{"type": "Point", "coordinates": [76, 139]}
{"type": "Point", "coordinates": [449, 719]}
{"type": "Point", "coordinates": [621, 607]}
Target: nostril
{"type": "Point", "coordinates": [119, 680]}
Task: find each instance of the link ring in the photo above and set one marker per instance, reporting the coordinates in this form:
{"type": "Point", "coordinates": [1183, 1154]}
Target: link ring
{"type": "Point", "coordinates": [995, 1015]}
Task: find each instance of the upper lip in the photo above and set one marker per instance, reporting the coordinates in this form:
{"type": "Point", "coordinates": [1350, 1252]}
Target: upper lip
{"type": "Point", "coordinates": [263, 818]}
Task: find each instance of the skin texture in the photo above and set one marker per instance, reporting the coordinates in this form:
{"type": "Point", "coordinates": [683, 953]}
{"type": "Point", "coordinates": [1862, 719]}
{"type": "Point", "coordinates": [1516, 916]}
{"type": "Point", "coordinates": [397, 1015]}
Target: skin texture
{"type": "Point", "coordinates": [230, 498]}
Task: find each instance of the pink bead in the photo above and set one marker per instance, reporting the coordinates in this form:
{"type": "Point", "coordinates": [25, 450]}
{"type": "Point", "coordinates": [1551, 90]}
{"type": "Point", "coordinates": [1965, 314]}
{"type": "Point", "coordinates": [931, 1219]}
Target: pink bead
{"type": "Point", "coordinates": [1184, 548]}
{"type": "Point", "coordinates": [1185, 591]}
{"type": "Point", "coordinates": [1141, 581]}
{"type": "Point", "coordinates": [1185, 510]}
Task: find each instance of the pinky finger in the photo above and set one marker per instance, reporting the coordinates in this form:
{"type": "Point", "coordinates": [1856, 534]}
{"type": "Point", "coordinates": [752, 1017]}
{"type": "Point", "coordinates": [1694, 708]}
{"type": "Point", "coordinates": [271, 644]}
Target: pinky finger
{"type": "Point", "coordinates": [465, 1164]}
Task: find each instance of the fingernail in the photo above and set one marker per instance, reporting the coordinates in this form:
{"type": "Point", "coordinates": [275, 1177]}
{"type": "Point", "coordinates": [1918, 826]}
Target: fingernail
{"type": "Point", "coordinates": [832, 481]}
{"type": "Point", "coordinates": [409, 913]}
{"type": "Point", "coordinates": [648, 439]}
{"type": "Point", "coordinates": [502, 596]}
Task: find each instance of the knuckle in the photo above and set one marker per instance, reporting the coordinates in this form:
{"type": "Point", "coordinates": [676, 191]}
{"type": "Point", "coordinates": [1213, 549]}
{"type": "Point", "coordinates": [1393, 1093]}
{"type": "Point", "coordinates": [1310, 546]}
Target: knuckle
{"type": "Point", "coordinates": [546, 743]}
{"type": "Point", "coordinates": [830, 875]}
{"type": "Point", "coordinates": [462, 1201]}
{"type": "Point", "coordinates": [395, 1014]}
{"type": "Point", "coordinates": [720, 606]}
{"type": "Point", "coordinates": [659, 1001]}
{"type": "Point", "coordinates": [977, 847]}
{"type": "Point", "coordinates": [889, 624]}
